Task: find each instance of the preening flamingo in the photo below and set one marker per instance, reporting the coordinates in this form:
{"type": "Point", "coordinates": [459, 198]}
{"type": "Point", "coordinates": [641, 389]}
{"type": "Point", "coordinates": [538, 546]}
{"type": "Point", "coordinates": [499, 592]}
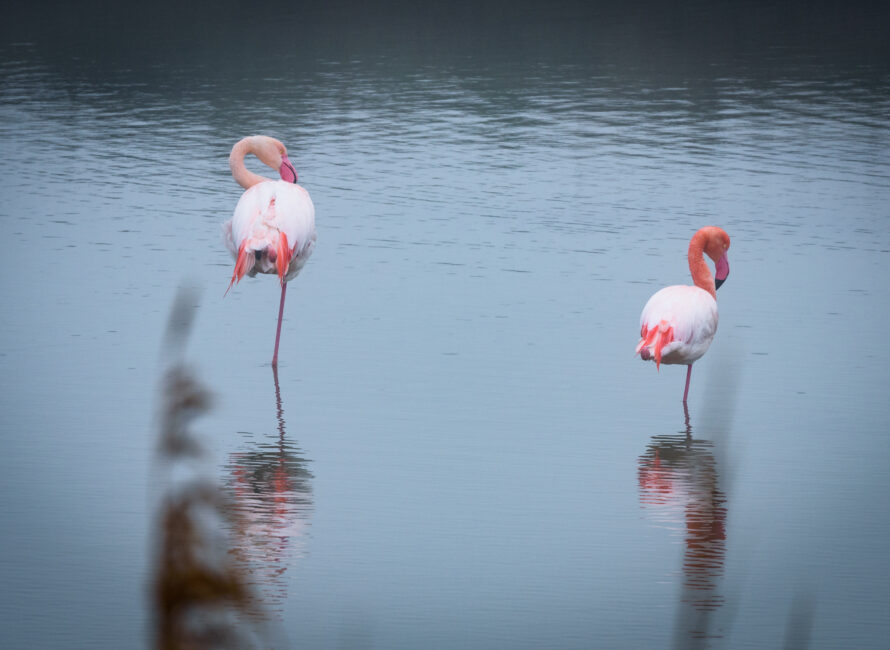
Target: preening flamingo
{"type": "Point", "coordinates": [679, 322]}
{"type": "Point", "coordinates": [273, 227]}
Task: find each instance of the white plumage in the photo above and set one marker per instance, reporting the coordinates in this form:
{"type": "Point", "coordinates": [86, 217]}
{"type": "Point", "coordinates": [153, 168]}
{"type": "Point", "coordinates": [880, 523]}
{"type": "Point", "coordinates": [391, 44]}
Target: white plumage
{"type": "Point", "coordinates": [264, 212]}
{"type": "Point", "coordinates": [691, 313]}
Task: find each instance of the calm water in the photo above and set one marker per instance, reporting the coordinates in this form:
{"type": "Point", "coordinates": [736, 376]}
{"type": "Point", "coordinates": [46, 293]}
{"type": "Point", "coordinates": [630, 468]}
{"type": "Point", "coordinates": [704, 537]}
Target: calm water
{"type": "Point", "coordinates": [460, 449]}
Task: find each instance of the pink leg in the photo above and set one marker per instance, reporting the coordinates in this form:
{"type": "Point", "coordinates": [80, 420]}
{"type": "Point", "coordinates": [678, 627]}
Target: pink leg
{"type": "Point", "coordinates": [278, 331]}
{"type": "Point", "coordinates": [688, 375]}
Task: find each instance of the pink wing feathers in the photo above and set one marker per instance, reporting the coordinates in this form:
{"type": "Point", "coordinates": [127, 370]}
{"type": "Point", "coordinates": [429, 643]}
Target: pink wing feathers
{"type": "Point", "coordinates": [654, 339]}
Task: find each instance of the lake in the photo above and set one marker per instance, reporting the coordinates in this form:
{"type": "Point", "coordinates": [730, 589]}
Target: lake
{"type": "Point", "coordinates": [459, 448]}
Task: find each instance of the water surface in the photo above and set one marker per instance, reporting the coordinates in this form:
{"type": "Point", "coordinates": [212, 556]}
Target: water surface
{"type": "Point", "coordinates": [459, 449]}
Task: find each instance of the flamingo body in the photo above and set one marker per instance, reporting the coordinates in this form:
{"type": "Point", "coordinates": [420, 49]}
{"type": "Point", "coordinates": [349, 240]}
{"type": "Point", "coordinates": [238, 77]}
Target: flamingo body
{"type": "Point", "coordinates": [678, 323]}
{"type": "Point", "coordinates": [264, 213]}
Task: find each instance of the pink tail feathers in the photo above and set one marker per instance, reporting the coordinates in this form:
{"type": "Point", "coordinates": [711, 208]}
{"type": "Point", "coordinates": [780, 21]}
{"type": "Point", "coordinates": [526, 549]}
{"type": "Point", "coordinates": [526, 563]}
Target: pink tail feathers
{"type": "Point", "coordinates": [242, 265]}
{"type": "Point", "coordinates": [282, 258]}
{"type": "Point", "coordinates": [281, 254]}
{"type": "Point", "coordinates": [655, 339]}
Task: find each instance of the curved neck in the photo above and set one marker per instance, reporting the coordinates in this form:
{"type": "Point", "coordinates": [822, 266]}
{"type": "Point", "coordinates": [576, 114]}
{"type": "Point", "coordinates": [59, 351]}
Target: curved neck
{"type": "Point", "coordinates": [242, 175]}
{"type": "Point", "coordinates": [701, 273]}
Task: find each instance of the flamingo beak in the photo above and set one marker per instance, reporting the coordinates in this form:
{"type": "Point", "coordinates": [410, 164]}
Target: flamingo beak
{"type": "Point", "coordinates": [287, 171]}
{"type": "Point", "coordinates": [722, 271]}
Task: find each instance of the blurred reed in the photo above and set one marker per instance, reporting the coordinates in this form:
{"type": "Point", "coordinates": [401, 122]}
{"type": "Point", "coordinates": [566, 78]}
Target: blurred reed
{"type": "Point", "coordinates": [200, 596]}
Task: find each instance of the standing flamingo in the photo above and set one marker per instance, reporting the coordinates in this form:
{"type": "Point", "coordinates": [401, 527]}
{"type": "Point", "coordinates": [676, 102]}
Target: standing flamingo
{"type": "Point", "coordinates": [273, 227]}
{"type": "Point", "coordinates": [679, 322]}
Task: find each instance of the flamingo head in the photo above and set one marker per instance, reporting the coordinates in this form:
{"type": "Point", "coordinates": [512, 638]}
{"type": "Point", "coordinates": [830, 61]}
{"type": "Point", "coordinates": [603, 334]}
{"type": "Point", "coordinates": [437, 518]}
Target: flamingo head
{"type": "Point", "coordinates": [273, 154]}
{"type": "Point", "coordinates": [716, 245]}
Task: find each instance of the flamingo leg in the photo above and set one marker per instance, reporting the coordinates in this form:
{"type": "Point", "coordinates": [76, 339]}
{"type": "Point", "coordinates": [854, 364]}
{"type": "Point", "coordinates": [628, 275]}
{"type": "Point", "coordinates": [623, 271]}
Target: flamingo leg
{"type": "Point", "coordinates": [685, 392]}
{"type": "Point", "coordinates": [278, 331]}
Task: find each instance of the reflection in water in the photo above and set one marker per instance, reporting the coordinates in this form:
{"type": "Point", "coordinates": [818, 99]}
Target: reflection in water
{"type": "Point", "coordinates": [272, 501]}
{"type": "Point", "coordinates": [679, 483]}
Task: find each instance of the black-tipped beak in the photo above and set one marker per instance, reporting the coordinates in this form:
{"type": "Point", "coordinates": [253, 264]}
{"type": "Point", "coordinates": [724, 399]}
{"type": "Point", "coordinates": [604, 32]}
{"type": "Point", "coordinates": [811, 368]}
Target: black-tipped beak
{"type": "Point", "coordinates": [287, 171]}
{"type": "Point", "coordinates": [722, 271]}
{"type": "Point", "coordinates": [293, 173]}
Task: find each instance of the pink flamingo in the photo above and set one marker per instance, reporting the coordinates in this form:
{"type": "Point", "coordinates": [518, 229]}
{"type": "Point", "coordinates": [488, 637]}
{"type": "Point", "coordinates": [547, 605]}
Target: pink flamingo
{"type": "Point", "coordinates": [273, 227]}
{"type": "Point", "coordinates": [679, 322]}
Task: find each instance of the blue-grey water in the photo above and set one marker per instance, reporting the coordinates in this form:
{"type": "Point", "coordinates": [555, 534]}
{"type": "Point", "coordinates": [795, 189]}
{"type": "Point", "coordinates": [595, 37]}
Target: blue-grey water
{"type": "Point", "coordinates": [460, 449]}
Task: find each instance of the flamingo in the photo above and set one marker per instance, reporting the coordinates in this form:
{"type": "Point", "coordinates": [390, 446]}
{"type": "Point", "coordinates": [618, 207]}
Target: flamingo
{"type": "Point", "coordinates": [273, 227]}
{"type": "Point", "coordinates": [679, 322]}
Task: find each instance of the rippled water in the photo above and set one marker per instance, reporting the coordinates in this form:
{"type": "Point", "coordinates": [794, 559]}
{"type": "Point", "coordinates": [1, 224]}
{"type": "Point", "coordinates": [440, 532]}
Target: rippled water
{"type": "Point", "coordinates": [459, 449]}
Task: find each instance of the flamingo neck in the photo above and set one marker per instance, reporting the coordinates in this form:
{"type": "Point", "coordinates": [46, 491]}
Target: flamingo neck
{"type": "Point", "coordinates": [244, 177]}
{"type": "Point", "coordinates": [701, 273]}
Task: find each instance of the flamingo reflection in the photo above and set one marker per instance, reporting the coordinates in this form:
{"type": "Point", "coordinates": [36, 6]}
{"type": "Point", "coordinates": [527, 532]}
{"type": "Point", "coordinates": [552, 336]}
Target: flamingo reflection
{"type": "Point", "coordinates": [272, 500]}
{"type": "Point", "coordinates": [679, 485]}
